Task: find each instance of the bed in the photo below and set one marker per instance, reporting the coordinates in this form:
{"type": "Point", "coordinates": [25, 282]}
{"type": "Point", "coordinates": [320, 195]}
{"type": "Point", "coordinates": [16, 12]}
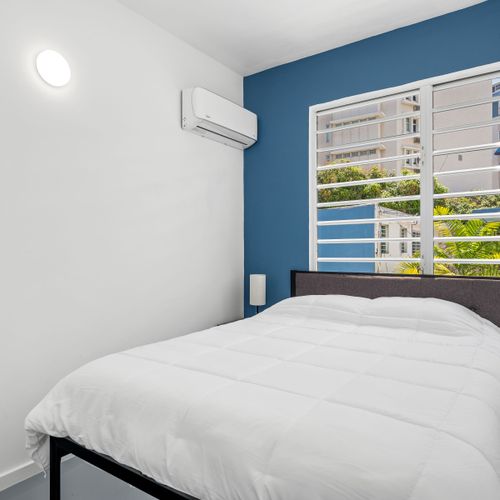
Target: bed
{"type": "Point", "coordinates": [377, 387]}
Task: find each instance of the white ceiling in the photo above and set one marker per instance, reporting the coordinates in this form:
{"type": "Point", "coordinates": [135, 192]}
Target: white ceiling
{"type": "Point", "coordinates": [253, 35]}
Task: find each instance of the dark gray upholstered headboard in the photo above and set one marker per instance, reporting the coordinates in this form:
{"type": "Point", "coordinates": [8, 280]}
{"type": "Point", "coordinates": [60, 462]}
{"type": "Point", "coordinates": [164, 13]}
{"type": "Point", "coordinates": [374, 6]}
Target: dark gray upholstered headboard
{"type": "Point", "coordinates": [481, 295]}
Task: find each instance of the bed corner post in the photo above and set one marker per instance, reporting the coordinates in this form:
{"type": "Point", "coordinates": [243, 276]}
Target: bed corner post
{"type": "Point", "coordinates": [56, 453]}
{"type": "Point", "coordinates": [293, 277]}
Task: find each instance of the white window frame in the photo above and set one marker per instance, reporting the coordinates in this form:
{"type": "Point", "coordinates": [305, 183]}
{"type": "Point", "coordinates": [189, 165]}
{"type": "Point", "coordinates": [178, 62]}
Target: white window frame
{"type": "Point", "coordinates": [425, 89]}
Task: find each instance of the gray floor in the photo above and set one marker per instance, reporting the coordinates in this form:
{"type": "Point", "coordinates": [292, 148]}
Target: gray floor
{"type": "Point", "coordinates": [80, 481]}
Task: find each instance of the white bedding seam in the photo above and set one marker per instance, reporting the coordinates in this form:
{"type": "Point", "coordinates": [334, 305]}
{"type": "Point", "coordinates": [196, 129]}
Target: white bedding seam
{"type": "Point", "coordinates": [397, 356]}
{"type": "Point", "coordinates": [369, 335]}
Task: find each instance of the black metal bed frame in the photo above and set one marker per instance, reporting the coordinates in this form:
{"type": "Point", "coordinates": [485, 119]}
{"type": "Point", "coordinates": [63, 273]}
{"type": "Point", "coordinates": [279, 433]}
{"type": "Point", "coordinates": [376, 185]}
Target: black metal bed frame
{"type": "Point", "coordinates": [475, 293]}
{"type": "Point", "coordinates": [60, 447]}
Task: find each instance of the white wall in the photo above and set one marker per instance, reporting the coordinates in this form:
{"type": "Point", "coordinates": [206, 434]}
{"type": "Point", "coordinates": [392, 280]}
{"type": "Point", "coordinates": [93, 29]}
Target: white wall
{"type": "Point", "coordinates": [116, 227]}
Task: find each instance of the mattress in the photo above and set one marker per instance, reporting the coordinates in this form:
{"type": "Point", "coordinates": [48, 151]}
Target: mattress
{"type": "Point", "coordinates": [318, 397]}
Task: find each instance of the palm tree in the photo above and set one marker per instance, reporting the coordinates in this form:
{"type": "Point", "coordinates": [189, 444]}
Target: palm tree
{"type": "Point", "coordinates": [462, 249]}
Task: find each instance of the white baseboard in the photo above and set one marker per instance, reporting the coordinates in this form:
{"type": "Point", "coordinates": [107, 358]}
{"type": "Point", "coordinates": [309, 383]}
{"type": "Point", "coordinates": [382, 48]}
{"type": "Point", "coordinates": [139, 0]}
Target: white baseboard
{"type": "Point", "coordinates": [18, 474]}
{"type": "Point", "coordinates": [22, 472]}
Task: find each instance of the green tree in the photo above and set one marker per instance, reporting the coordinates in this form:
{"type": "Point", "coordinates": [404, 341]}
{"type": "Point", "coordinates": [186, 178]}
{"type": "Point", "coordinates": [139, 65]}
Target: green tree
{"type": "Point", "coordinates": [408, 187]}
{"type": "Point", "coordinates": [462, 249]}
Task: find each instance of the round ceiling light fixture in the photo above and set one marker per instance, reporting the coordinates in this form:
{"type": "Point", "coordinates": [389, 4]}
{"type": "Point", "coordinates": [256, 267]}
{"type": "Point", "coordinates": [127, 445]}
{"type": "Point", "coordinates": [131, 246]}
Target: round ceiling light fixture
{"type": "Point", "coordinates": [53, 68]}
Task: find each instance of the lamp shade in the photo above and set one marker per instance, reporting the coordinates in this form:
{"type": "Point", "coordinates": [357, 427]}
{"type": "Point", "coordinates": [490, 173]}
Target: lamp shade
{"type": "Point", "coordinates": [257, 289]}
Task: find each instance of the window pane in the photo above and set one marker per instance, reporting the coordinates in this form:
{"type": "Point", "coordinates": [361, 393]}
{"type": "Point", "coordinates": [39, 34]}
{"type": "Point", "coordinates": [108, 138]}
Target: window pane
{"type": "Point", "coordinates": [407, 149]}
{"type": "Point", "coordinates": [401, 195]}
{"type": "Point", "coordinates": [484, 90]}
{"type": "Point", "coordinates": [354, 125]}
{"type": "Point", "coordinates": [364, 113]}
{"type": "Point", "coordinates": [367, 131]}
{"type": "Point", "coordinates": [468, 117]}
{"type": "Point", "coordinates": [492, 270]}
{"type": "Point", "coordinates": [467, 245]}
{"type": "Point", "coordinates": [471, 137]}
{"type": "Point", "coordinates": [410, 161]}
{"type": "Point", "coordinates": [362, 174]}
{"type": "Point", "coordinates": [398, 223]}
{"type": "Point", "coordinates": [470, 90]}
{"type": "Point", "coordinates": [359, 250]}
{"type": "Point", "coordinates": [469, 170]}
{"type": "Point", "coordinates": [459, 234]}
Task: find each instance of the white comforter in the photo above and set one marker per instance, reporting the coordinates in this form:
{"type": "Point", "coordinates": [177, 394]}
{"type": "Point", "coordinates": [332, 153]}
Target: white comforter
{"type": "Point", "coordinates": [320, 397]}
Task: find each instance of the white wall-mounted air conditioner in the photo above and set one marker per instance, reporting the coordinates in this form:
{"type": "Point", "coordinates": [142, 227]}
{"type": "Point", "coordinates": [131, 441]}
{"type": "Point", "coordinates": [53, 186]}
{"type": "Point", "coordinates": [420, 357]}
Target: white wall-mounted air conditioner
{"type": "Point", "coordinates": [214, 117]}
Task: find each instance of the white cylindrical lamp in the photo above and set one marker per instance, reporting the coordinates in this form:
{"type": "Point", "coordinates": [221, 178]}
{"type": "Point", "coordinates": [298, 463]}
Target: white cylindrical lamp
{"type": "Point", "coordinates": [257, 290]}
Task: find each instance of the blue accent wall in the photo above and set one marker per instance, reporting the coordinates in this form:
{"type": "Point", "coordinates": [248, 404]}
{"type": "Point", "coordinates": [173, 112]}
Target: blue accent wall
{"type": "Point", "coordinates": [276, 168]}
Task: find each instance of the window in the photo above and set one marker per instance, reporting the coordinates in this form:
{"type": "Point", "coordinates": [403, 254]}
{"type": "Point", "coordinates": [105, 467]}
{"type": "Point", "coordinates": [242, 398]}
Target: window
{"type": "Point", "coordinates": [411, 125]}
{"type": "Point", "coordinates": [384, 233]}
{"type": "Point", "coordinates": [403, 246]}
{"type": "Point", "coordinates": [363, 154]}
{"type": "Point", "coordinates": [412, 99]}
{"type": "Point", "coordinates": [411, 160]}
{"type": "Point", "coordinates": [421, 160]}
{"type": "Point", "coordinates": [328, 137]}
{"type": "Point", "coordinates": [356, 154]}
{"type": "Point", "coordinates": [357, 120]}
{"type": "Point", "coordinates": [415, 245]}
